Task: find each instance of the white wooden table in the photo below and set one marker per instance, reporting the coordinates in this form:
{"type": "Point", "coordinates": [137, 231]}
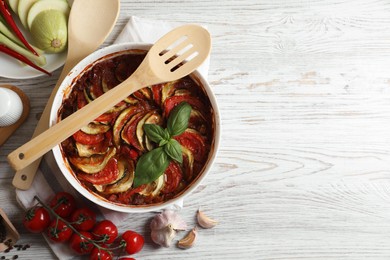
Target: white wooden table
{"type": "Point", "coordinates": [304, 166]}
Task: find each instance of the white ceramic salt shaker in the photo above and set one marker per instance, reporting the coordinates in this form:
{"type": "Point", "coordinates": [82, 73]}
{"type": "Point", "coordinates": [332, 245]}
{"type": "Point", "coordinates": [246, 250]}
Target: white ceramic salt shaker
{"type": "Point", "coordinates": [11, 107]}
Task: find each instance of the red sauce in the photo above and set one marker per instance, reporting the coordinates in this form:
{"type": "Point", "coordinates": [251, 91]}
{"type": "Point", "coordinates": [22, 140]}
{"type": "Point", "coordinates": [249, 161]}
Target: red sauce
{"type": "Point", "coordinates": [104, 155]}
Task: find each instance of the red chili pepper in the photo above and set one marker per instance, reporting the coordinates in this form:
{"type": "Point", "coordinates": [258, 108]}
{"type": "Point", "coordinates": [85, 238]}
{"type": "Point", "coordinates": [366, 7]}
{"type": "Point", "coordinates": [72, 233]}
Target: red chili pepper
{"type": "Point", "coordinates": [20, 57]}
{"type": "Point", "coordinates": [8, 18]}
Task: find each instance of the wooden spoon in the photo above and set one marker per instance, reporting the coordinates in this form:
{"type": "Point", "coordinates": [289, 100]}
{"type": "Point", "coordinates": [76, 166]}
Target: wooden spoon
{"type": "Point", "coordinates": [90, 22]}
{"type": "Point", "coordinates": [161, 64]}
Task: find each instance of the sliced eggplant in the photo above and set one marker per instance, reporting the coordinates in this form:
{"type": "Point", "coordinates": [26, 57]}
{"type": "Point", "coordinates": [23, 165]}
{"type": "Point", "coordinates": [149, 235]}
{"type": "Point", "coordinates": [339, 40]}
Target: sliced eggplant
{"type": "Point", "coordinates": [121, 120]}
{"type": "Point", "coordinates": [92, 164]}
{"type": "Point", "coordinates": [87, 95]}
{"type": "Point", "coordinates": [124, 183]}
{"type": "Point", "coordinates": [95, 128]}
{"type": "Point", "coordinates": [153, 188]}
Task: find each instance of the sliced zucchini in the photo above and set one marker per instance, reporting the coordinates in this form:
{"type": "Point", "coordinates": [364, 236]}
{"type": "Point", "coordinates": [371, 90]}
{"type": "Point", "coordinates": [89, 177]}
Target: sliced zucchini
{"type": "Point", "coordinates": [43, 5]}
{"type": "Point", "coordinates": [131, 100]}
{"type": "Point", "coordinates": [92, 164]}
{"type": "Point", "coordinates": [124, 183]}
{"type": "Point", "coordinates": [95, 128]}
{"type": "Point", "coordinates": [23, 8]}
{"type": "Point", "coordinates": [140, 129]}
{"type": "Point", "coordinates": [156, 119]}
{"type": "Point", "coordinates": [167, 90]}
{"type": "Point", "coordinates": [182, 92]}
{"type": "Point", "coordinates": [85, 150]}
{"type": "Point", "coordinates": [153, 188]}
{"type": "Point", "coordinates": [188, 162]}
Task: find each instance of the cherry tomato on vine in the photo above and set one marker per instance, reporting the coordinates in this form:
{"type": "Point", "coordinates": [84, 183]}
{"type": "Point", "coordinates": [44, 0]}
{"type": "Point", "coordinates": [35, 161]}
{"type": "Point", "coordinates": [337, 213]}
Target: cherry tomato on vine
{"type": "Point", "coordinates": [134, 241]}
{"type": "Point", "coordinates": [80, 244]}
{"type": "Point", "coordinates": [63, 204]}
{"type": "Point", "coordinates": [83, 219]}
{"type": "Point", "coordinates": [100, 254]}
{"type": "Point", "coordinates": [36, 219]}
{"type": "Point", "coordinates": [105, 232]}
{"type": "Point", "coordinates": [58, 231]}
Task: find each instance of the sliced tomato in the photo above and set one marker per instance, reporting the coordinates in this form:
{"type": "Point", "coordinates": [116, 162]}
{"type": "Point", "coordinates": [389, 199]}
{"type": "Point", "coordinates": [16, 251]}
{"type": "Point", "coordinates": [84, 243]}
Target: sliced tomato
{"type": "Point", "coordinates": [194, 142]}
{"type": "Point", "coordinates": [156, 93]}
{"type": "Point", "coordinates": [173, 101]}
{"type": "Point", "coordinates": [93, 164]}
{"type": "Point", "coordinates": [129, 152]}
{"type": "Point", "coordinates": [105, 176]}
{"type": "Point", "coordinates": [107, 118]}
{"type": "Point", "coordinates": [173, 176]}
{"type": "Point", "coordinates": [122, 119]}
{"type": "Point", "coordinates": [125, 197]}
{"type": "Point", "coordinates": [129, 132]}
{"type": "Point", "coordinates": [84, 138]}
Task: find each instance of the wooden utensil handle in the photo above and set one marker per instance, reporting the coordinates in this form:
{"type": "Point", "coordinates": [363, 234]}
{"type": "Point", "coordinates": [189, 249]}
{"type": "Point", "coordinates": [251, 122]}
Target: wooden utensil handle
{"type": "Point", "coordinates": [24, 178]}
{"type": "Point", "coordinates": [34, 149]}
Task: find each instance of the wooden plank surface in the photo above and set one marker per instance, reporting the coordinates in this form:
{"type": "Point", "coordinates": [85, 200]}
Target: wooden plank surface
{"type": "Point", "coordinates": [304, 166]}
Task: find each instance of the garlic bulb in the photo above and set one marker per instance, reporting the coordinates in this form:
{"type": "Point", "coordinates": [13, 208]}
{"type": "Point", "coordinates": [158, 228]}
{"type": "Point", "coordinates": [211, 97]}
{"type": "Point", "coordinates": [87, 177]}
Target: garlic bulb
{"type": "Point", "coordinates": [204, 221]}
{"type": "Point", "coordinates": [189, 240]}
{"type": "Point", "coordinates": [164, 226]}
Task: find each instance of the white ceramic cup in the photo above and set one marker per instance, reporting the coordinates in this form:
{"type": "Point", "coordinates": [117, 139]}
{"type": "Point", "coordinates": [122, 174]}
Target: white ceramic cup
{"type": "Point", "coordinates": [11, 107]}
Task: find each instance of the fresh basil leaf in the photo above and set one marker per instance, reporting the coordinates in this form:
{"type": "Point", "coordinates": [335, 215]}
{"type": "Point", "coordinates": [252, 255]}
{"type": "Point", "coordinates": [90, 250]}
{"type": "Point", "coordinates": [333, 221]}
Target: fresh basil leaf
{"type": "Point", "coordinates": [150, 166]}
{"type": "Point", "coordinates": [173, 149]}
{"type": "Point", "coordinates": [178, 119]}
{"type": "Point", "coordinates": [163, 142]}
{"type": "Point", "coordinates": [155, 133]}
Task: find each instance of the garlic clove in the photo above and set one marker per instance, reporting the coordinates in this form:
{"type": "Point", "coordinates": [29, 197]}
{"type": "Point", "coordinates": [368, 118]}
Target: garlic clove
{"type": "Point", "coordinates": [189, 240]}
{"type": "Point", "coordinates": [204, 221]}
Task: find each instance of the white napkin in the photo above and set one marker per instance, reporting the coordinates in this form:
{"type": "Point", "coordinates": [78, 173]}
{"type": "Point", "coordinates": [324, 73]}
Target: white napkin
{"type": "Point", "coordinates": [49, 179]}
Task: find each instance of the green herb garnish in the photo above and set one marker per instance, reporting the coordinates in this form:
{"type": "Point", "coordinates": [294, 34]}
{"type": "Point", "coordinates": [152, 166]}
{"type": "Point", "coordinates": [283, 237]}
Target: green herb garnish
{"type": "Point", "coordinates": [153, 164]}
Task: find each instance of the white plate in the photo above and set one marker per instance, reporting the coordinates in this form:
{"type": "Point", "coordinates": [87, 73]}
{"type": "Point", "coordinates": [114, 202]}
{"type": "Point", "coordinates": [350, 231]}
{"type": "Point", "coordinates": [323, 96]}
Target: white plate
{"type": "Point", "coordinates": [11, 68]}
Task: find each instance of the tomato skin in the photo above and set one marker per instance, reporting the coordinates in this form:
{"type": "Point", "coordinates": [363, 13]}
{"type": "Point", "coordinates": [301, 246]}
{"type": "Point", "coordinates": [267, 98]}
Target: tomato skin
{"type": "Point", "coordinates": [84, 138]}
{"type": "Point", "coordinates": [79, 244]}
{"type": "Point", "coordinates": [134, 241]}
{"type": "Point", "coordinates": [193, 142]}
{"type": "Point", "coordinates": [59, 231]}
{"type": "Point", "coordinates": [85, 219]}
{"type": "Point", "coordinates": [105, 232]}
{"type": "Point", "coordinates": [99, 254]}
{"type": "Point", "coordinates": [63, 204]}
{"type": "Point", "coordinates": [36, 219]}
{"type": "Point", "coordinates": [173, 177]}
{"type": "Point", "coordinates": [105, 176]}
{"type": "Point", "coordinates": [173, 101]}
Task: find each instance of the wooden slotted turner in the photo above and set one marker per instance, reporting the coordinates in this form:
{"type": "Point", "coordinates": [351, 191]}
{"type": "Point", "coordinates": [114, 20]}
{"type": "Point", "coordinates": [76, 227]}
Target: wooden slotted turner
{"type": "Point", "coordinates": [175, 55]}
